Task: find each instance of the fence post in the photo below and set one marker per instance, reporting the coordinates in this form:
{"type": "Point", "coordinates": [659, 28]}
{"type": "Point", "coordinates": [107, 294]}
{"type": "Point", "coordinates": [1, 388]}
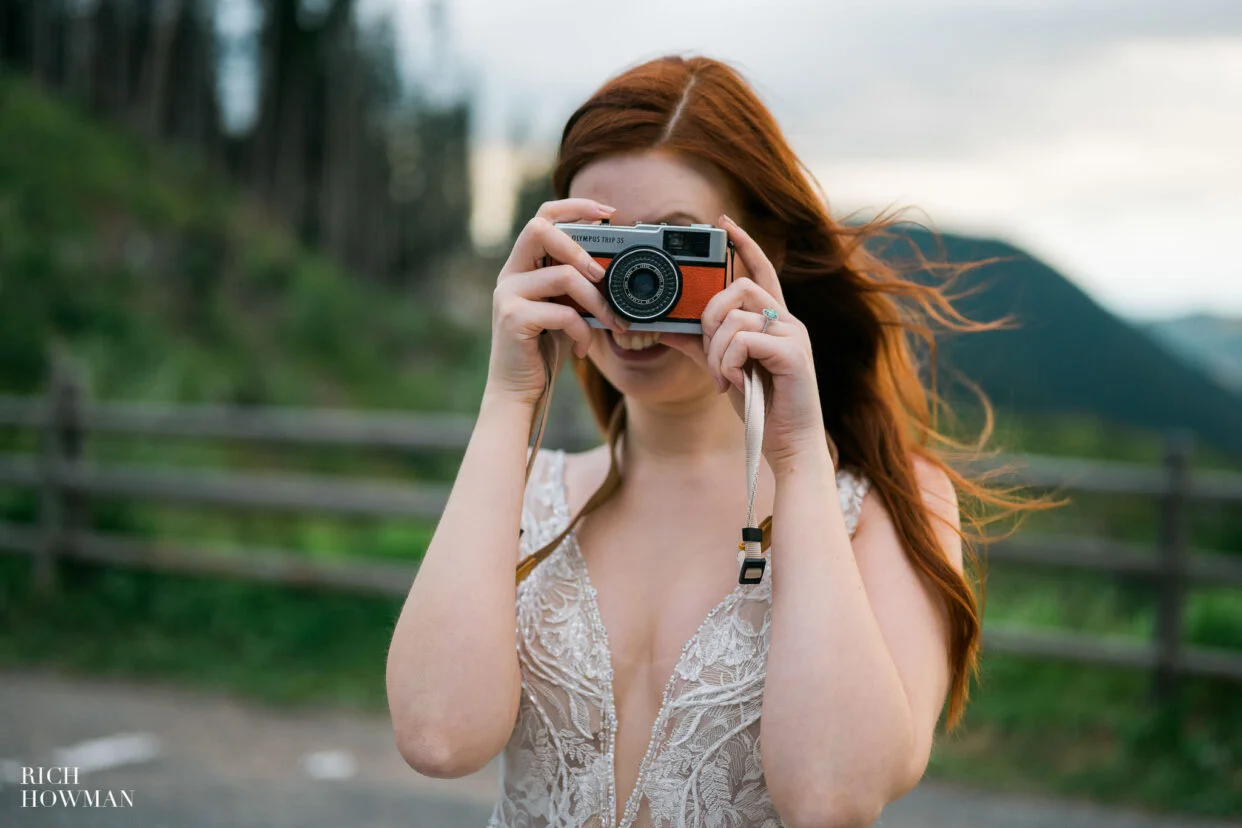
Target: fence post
{"type": "Point", "coordinates": [1172, 553]}
{"type": "Point", "coordinates": [60, 508]}
{"type": "Point", "coordinates": [72, 437]}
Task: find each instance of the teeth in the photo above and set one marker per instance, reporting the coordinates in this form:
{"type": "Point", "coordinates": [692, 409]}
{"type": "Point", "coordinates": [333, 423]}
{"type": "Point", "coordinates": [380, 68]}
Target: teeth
{"type": "Point", "coordinates": [636, 341]}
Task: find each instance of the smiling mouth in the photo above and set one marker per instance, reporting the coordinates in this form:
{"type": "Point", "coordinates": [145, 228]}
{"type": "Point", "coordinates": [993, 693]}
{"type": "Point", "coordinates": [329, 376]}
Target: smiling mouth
{"type": "Point", "coordinates": [637, 340]}
{"type": "Point", "coordinates": [637, 346]}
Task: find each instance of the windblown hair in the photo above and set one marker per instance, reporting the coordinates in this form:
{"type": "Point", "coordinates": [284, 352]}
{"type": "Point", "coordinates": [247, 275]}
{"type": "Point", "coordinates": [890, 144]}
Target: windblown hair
{"type": "Point", "coordinates": [862, 314]}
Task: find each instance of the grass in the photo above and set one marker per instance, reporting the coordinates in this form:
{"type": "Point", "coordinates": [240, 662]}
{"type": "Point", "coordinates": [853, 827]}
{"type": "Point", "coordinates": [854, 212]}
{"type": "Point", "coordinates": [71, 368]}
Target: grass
{"type": "Point", "coordinates": [1040, 727]}
{"type": "Point", "coordinates": [281, 646]}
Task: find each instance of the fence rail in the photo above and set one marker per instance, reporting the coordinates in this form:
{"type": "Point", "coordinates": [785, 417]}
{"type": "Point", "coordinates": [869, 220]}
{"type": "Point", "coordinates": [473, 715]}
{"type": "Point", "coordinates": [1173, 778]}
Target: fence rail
{"type": "Point", "coordinates": [66, 481]}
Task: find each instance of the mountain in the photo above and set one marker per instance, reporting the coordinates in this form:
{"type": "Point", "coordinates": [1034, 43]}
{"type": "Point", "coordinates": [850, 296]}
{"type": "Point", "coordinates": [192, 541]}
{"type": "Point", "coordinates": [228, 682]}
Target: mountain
{"type": "Point", "coordinates": [1068, 355]}
{"type": "Point", "coordinates": [1214, 343]}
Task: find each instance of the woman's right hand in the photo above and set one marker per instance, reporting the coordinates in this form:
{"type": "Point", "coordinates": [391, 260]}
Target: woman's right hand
{"type": "Point", "coordinates": [520, 310]}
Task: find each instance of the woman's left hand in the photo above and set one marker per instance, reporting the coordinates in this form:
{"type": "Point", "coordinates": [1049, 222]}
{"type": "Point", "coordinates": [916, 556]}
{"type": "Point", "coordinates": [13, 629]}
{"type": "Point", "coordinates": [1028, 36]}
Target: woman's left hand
{"type": "Point", "coordinates": [731, 336]}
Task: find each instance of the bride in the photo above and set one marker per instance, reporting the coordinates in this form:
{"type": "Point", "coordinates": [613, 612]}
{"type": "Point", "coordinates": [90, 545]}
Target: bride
{"type": "Point", "coordinates": [630, 679]}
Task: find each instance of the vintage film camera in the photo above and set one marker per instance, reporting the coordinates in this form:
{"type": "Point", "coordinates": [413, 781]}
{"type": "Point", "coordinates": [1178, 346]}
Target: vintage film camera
{"type": "Point", "coordinates": [659, 277]}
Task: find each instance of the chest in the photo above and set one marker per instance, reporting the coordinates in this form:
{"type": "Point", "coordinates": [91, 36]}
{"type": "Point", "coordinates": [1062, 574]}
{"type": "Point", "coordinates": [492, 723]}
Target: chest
{"type": "Point", "coordinates": [654, 585]}
{"type": "Point", "coordinates": [661, 643]}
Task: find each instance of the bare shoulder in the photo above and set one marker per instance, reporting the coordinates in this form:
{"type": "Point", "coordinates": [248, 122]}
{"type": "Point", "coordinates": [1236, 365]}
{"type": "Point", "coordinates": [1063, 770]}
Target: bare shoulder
{"type": "Point", "coordinates": [939, 497]}
{"type": "Point", "coordinates": [938, 490]}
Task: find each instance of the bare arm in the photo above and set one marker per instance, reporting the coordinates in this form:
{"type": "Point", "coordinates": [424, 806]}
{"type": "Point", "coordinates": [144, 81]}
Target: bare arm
{"type": "Point", "coordinates": [858, 667]}
{"type": "Point", "coordinates": [453, 678]}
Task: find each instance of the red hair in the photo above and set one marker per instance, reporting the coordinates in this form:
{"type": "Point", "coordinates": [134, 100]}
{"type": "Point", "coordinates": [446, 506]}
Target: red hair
{"type": "Point", "coordinates": [859, 310]}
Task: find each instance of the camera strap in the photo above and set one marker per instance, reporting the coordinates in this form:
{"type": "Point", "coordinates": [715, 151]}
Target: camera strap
{"type": "Point", "coordinates": [751, 560]}
{"type": "Point", "coordinates": [550, 350]}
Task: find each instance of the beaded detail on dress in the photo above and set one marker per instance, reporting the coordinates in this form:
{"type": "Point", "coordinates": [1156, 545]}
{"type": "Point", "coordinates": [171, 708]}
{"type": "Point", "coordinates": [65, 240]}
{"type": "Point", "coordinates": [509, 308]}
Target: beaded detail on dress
{"type": "Point", "coordinates": [702, 767]}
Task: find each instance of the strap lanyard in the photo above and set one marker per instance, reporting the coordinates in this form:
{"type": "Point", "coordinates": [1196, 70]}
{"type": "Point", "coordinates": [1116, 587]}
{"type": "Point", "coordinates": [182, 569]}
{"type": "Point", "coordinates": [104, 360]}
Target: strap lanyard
{"type": "Point", "coordinates": [752, 560]}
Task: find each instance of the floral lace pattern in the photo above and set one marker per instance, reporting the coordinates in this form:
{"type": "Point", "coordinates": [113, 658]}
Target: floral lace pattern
{"type": "Point", "coordinates": [702, 766]}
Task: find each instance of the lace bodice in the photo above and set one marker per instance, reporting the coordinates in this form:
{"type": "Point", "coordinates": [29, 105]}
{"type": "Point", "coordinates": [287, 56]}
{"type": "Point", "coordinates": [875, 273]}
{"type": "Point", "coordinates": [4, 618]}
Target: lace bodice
{"type": "Point", "coordinates": [702, 766]}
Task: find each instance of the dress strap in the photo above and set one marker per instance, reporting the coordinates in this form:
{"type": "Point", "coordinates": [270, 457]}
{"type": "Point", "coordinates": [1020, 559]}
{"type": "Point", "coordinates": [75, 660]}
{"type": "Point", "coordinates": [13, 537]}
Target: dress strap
{"type": "Point", "coordinates": [540, 502]}
{"type": "Point", "coordinates": [853, 487]}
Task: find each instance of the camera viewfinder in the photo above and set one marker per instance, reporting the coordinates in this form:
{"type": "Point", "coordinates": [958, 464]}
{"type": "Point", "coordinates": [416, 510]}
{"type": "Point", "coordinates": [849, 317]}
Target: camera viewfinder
{"type": "Point", "coordinates": [687, 243]}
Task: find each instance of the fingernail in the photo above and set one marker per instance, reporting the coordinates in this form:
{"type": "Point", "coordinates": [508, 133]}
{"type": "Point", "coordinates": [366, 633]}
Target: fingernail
{"type": "Point", "coordinates": [624, 324]}
{"type": "Point", "coordinates": [727, 219]}
{"type": "Point", "coordinates": [604, 208]}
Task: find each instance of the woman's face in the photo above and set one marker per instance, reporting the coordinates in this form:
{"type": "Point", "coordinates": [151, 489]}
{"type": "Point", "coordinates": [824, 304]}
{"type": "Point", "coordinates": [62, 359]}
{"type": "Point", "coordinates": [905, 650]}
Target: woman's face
{"type": "Point", "coordinates": [651, 187]}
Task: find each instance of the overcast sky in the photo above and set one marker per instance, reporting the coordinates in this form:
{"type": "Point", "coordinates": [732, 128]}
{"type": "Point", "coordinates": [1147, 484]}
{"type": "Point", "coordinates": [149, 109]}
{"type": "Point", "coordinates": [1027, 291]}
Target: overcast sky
{"type": "Point", "coordinates": [1106, 138]}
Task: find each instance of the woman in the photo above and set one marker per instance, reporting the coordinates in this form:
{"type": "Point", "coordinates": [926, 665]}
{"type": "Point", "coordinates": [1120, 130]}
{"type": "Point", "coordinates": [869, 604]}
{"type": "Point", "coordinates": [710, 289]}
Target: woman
{"type": "Point", "coordinates": [642, 685]}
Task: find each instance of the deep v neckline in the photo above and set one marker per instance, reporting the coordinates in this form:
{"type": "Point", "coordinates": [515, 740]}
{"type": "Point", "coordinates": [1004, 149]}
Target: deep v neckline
{"type": "Point", "coordinates": [630, 811]}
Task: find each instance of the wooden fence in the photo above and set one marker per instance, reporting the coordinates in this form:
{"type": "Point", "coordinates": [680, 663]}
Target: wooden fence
{"type": "Point", "coordinates": [65, 480]}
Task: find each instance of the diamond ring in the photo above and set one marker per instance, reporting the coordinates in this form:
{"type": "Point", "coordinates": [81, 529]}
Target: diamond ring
{"type": "Point", "coordinates": [769, 315]}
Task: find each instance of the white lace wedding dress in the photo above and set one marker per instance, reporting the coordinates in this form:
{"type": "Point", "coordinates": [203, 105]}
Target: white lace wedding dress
{"type": "Point", "coordinates": [702, 766]}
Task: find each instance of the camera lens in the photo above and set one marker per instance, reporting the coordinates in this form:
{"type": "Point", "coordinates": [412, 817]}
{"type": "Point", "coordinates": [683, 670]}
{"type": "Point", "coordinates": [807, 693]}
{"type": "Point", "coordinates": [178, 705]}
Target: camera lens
{"type": "Point", "coordinates": [643, 284]}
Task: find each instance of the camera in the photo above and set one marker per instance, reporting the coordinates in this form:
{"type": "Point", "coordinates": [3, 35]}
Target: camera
{"type": "Point", "coordinates": [659, 277]}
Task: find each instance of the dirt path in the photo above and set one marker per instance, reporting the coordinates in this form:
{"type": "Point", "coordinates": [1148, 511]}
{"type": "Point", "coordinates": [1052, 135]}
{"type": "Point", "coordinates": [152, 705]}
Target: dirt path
{"type": "Point", "coordinates": [193, 759]}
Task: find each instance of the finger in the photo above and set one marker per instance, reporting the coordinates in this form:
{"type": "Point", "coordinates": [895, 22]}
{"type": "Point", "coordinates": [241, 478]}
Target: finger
{"type": "Point", "coordinates": [745, 294]}
{"type": "Point", "coordinates": [541, 238]}
{"type": "Point", "coordinates": [531, 318]}
{"type": "Point", "coordinates": [736, 320]}
{"type": "Point", "coordinates": [564, 280]}
{"type": "Point", "coordinates": [756, 261]}
{"type": "Point", "coordinates": [744, 345]}
{"type": "Point", "coordinates": [574, 209]}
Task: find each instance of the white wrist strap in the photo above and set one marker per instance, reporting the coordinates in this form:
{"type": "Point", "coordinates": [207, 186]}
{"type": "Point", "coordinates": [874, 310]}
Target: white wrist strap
{"type": "Point", "coordinates": [753, 407]}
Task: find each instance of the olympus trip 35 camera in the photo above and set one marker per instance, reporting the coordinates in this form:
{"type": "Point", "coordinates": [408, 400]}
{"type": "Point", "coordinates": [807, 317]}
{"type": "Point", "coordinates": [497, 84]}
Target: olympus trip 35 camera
{"type": "Point", "coordinates": [659, 277]}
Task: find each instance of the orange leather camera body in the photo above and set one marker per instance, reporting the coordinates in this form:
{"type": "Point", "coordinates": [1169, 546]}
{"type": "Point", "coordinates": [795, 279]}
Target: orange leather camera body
{"type": "Point", "coordinates": [659, 277]}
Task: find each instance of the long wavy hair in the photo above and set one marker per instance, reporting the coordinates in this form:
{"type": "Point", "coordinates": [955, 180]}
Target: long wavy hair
{"type": "Point", "coordinates": [864, 316]}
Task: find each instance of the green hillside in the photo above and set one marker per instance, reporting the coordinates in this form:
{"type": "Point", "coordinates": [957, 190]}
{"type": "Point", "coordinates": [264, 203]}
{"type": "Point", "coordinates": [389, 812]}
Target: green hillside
{"type": "Point", "coordinates": [1068, 356]}
{"type": "Point", "coordinates": [166, 284]}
